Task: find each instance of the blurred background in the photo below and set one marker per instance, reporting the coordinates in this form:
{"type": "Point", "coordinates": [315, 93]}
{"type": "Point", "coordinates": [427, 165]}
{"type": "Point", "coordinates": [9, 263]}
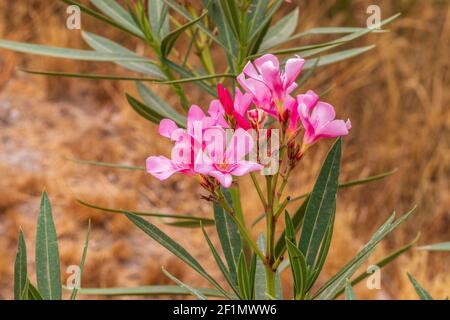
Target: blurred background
{"type": "Point", "coordinates": [397, 96]}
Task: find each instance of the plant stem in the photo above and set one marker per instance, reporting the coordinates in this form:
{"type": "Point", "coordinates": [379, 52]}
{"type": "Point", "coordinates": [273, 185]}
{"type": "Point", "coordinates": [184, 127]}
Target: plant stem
{"type": "Point", "coordinates": [270, 281]}
{"type": "Point", "coordinates": [258, 189]}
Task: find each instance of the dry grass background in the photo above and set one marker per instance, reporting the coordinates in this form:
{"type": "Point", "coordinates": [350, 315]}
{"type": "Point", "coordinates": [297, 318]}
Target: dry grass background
{"type": "Point", "coordinates": [397, 97]}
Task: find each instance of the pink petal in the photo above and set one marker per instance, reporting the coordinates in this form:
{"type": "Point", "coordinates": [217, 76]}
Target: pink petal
{"type": "Point", "coordinates": [335, 128]}
{"type": "Point", "coordinates": [244, 167]}
{"type": "Point", "coordinates": [160, 167]}
{"type": "Point", "coordinates": [167, 127]}
{"type": "Point", "coordinates": [322, 114]}
{"type": "Point", "coordinates": [267, 58]}
{"type": "Point", "coordinates": [195, 113]}
{"type": "Point", "coordinates": [271, 77]}
{"type": "Point", "coordinates": [292, 70]}
{"type": "Point", "coordinates": [225, 179]}
{"type": "Point", "coordinates": [241, 143]}
{"type": "Point", "coordinates": [250, 70]}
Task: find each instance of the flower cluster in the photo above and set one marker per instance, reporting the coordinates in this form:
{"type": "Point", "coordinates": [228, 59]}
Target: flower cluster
{"type": "Point", "coordinates": [217, 145]}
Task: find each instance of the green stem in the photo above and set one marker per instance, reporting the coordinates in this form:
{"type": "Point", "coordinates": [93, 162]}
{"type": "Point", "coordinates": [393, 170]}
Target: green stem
{"type": "Point", "coordinates": [270, 281]}
{"type": "Point", "coordinates": [258, 189]}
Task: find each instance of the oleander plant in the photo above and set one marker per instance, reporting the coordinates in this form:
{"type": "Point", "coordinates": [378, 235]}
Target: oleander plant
{"type": "Point", "coordinates": [260, 123]}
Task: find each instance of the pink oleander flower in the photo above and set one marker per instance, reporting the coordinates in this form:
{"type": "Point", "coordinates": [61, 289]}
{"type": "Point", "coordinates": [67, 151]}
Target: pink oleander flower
{"type": "Point", "coordinates": [236, 110]}
{"type": "Point", "coordinates": [318, 119]}
{"type": "Point", "coordinates": [268, 84]}
{"type": "Point", "coordinates": [223, 160]}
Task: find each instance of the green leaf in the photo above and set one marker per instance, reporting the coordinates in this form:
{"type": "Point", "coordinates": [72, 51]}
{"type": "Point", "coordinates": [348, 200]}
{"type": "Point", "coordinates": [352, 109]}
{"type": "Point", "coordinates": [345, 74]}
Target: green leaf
{"type": "Point", "coordinates": [173, 247]}
{"type": "Point", "coordinates": [117, 13]}
{"type": "Point", "coordinates": [297, 221]}
{"type": "Point", "coordinates": [311, 49]}
{"type": "Point", "coordinates": [298, 268]}
{"type": "Point", "coordinates": [143, 110]}
{"type": "Point", "coordinates": [230, 12]}
{"type": "Point", "coordinates": [257, 10]}
{"type": "Point", "coordinates": [198, 220]}
{"type": "Point", "coordinates": [260, 273]}
{"type": "Point", "coordinates": [83, 259]}
{"type": "Point", "coordinates": [107, 164]}
{"type": "Point", "coordinates": [281, 31]}
{"type": "Point", "coordinates": [355, 182]}
{"type": "Point", "coordinates": [336, 57]}
{"type": "Point", "coordinates": [48, 273]}
{"type": "Point", "coordinates": [186, 14]}
{"type": "Point", "coordinates": [267, 17]}
{"type": "Point", "coordinates": [349, 293]}
{"type": "Point", "coordinates": [104, 45]}
{"type": "Point", "coordinates": [321, 205]}
{"type": "Point", "coordinates": [194, 292]}
{"type": "Point", "coordinates": [337, 282]}
{"type": "Point", "coordinates": [229, 237]}
{"type": "Point", "coordinates": [20, 268]}
{"type": "Point", "coordinates": [148, 291]}
{"type": "Point", "coordinates": [66, 53]}
{"type": "Point", "coordinates": [383, 262]}
{"type": "Point", "coordinates": [243, 278]}
{"type": "Point", "coordinates": [103, 18]}
{"type": "Point", "coordinates": [159, 106]}
{"type": "Point", "coordinates": [444, 246]}
{"type": "Point", "coordinates": [169, 41]}
{"type": "Point", "coordinates": [33, 293]}
{"type": "Point", "coordinates": [232, 283]}
{"type": "Point", "coordinates": [421, 292]}
{"type": "Point", "coordinates": [159, 17]}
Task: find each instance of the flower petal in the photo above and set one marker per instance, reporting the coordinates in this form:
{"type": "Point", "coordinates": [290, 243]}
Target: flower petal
{"type": "Point", "coordinates": [160, 167]}
{"type": "Point", "coordinates": [322, 114]}
{"type": "Point", "coordinates": [241, 143]}
{"type": "Point", "coordinates": [244, 167]}
{"type": "Point", "coordinates": [267, 58]}
{"type": "Point", "coordinates": [225, 179]}
{"type": "Point", "coordinates": [292, 70]}
{"type": "Point", "coordinates": [167, 127]}
{"type": "Point", "coordinates": [335, 128]}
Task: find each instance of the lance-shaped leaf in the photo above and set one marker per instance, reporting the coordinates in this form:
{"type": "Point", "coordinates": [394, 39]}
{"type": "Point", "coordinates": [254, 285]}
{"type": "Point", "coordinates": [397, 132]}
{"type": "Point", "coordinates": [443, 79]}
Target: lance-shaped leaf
{"type": "Point", "coordinates": [336, 57]}
{"type": "Point", "coordinates": [198, 220]}
{"type": "Point", "coordinates": [230, 12]}
{"type": "Point", "coordinates": [83, 260]}
{"type": "Point", "coordinates": [33, 293]}
{"type": "Point", "coordinates": [104, 45]}
{"type": "Point", "coordinates": [173, 247]}
{"type": "Point", "coordinates": [260, 274]}
{"type": "Point", "coordinates": [421, 292]}
{"type": "Point", "coordinates": [159, 106]}
{"type": "Point", "coordinates": [196, 293]}
{"type": "Point", "coordinates": [229, 237]}
{"type": "Point", "coordinates": [383, 262]}
{"type": "Point", "coordinates": [107, 164]}
{"type": "Point", "coordinates": [444, 246]}
{"type": "Point", "coordinates": [67, 53]}
{"type": "Point", "coordinates": [232, 282]}
{"type": "Point", "coordinates": [349, 293]}
{"type": "Point", "coordinates": [297, 221]}
{"type": "Point", "coordinates": [143, 110]}
{"type": "Point", "coordinates": [243, 278]}
{"type": "Point", "coordinates": [20, 268]}
{"type": "Point", "coordinates": [95, 14]}
{"type": "Point", "coordinates": [48, 273]}
{"type": "Point", "coordinates": [149, 291]}
{"type": "Point", "coordinates": [159, 17]}
{"type": "Point", "coordinates": [281, 31]}
{"type": "Point", "coordinates": [321, 205]}
{"type": "Point", "coordinates": [257, 10]}
{"type": "Point", "coordinates": [117, 13]}
{"type": "Point", "coordinates": [267, 18]}
{"type": "Point", "coordinates": [298, 268]}
{"type": "Point", "coordinates": [337, 282]}
{"type": "Point", "coordinates": [169, 41]}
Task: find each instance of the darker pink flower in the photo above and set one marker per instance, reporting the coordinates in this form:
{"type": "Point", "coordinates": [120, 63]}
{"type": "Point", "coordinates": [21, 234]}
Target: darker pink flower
{"type": "Point", "coordinates": [318, 119]}
{"type": "Point", "coordinates": [237, 109]}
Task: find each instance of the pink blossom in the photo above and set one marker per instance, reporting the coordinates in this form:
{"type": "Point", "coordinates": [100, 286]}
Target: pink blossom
{"type": "Point", "coordinates": [267, 83]}
{"type": "Point", "coordinates": [318, 119]}
{"type": "Point", "coordinates": [223, 161]}
{"type": "Point", "coordinates": [237, 109]}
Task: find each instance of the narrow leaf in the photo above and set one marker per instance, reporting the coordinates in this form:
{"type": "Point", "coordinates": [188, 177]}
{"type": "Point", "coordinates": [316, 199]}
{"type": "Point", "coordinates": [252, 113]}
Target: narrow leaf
{"type": "Point", "coordinates": [48, 273]}
{"type": "Point", "coordinates": [173, 247]}
{"type": "Point", "coordinates": [421, 292]}
{"type": "Point", "coordinates": [298, 268]}
{"type": "Point", "coordinates": [83, 260]}
{"type": "Point", "coordinates": [444, 246]}
{"type": "Point", "coordinates": [193, 291]}
{"type": "Point", "coordinates": [169, 41]}
{"type": "Point", "coordinates": [107, 164]}
{"type": "Point", "coordinates": [20, 268]}
{"type": "Point", "coordinates": [321, 205]}
{"type": "Point", "coordinates": [349, 293]}
{"type": "Point", "coordinates": [260, 274]}
{"type": "Point", "coordinates": [243, 278]}
{"type": "Point", "coordinates": [281, 31]}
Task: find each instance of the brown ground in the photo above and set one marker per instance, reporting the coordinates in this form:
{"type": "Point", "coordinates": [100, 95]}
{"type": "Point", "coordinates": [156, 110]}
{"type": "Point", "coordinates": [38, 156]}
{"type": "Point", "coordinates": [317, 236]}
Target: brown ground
{"type": "Point", "coordinates": [397, 97]}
